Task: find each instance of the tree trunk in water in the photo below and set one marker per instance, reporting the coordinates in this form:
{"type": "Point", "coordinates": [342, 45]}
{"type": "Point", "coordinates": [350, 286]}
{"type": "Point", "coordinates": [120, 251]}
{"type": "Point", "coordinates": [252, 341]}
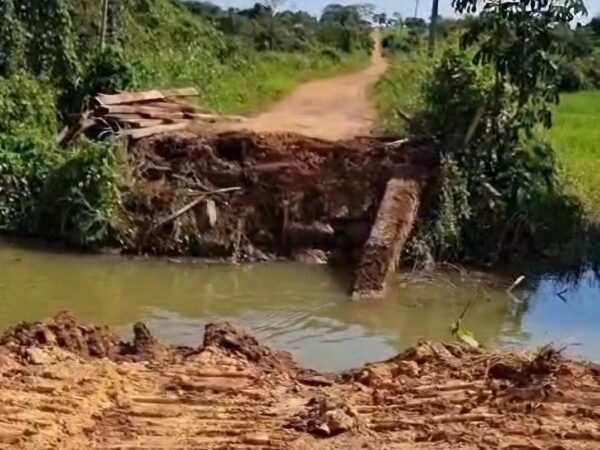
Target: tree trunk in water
{"type": "Point", "coordinates": [393, 224]}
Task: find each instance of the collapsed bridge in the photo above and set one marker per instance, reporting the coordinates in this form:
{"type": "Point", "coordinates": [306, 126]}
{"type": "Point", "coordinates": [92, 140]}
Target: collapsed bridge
{"type": "Point", "coordinates": [199, 188]}
{"type": "Point", "coordinates": [246, 196]}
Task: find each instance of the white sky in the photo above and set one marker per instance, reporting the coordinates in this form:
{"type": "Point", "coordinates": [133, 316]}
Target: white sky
{"type": "Point", "coordinates": [404, 7]}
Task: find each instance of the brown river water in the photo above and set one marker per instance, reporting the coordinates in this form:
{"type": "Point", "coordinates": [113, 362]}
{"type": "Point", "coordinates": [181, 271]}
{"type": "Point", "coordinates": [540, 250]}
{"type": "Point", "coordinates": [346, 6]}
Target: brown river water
{"type": "Point", "coordinates": [299, 308]}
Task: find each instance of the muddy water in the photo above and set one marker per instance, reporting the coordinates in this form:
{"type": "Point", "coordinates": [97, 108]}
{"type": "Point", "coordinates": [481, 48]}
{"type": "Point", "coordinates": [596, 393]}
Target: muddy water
{"type": "Point", "coordinates": [303, 309]}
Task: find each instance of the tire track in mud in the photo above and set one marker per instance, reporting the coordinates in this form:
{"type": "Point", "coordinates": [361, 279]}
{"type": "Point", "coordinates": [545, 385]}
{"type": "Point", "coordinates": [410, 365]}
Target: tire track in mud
{"type": "Point", "coordinates": [233, 393]}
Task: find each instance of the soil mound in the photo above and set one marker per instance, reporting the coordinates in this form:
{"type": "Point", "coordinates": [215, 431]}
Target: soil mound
{"type": "Point", "coordinates": [249, 196]}
{"type": "Point", "coordinates": [238, 343]}
{"type": "Point", "coordinates": [234, 393]}
{"type": "Point", "coordinates": [66, 332]}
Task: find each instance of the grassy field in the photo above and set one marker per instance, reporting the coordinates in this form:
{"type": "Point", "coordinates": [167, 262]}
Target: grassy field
{"type": "Point", "coordinates": [576, 137]}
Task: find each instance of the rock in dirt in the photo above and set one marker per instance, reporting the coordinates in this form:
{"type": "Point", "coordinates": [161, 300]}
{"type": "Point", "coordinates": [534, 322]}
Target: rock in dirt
{"type": "Point", "coordinates": [224, 336]}
{"type": "Point", "coordinates": [326, 417]}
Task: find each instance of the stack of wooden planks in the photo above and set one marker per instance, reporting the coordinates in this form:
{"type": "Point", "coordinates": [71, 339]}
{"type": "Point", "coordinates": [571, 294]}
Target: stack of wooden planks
{"type": "Point", "coordinates": [141, 114]}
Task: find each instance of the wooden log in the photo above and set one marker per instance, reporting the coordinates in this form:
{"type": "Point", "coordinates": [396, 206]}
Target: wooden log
{"type": "Point", "coordinates": [393, 224]}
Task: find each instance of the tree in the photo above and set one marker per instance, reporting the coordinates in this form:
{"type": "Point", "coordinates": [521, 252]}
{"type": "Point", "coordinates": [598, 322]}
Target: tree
{"type": "Point", "coordinates": [485, 105]}
{"type": "Point", "coordinates": [595, 25]}
{"type": "Point", "coordinates": [380, 19]}
{"type": "Point", "coordinates": [345, 15]}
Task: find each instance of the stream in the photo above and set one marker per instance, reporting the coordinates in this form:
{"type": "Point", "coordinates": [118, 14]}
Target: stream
{"type": "Point", "coordinates": [299, 308]}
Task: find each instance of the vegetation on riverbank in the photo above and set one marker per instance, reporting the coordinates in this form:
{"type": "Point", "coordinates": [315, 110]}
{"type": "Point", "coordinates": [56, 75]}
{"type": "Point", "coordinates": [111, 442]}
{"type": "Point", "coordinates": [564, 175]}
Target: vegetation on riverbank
{"type": "Point", "coordinates": [53, 59]}
{"type": "Point", "coordinates": [500, 194]}
{"type": "Point", "coordinates": [575, 137]}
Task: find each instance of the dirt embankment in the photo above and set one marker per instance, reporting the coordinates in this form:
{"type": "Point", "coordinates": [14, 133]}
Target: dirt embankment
{"type": "Point", "coordinates": [233, 393]}
{"type": "Point", "coordinates": [249, 196]}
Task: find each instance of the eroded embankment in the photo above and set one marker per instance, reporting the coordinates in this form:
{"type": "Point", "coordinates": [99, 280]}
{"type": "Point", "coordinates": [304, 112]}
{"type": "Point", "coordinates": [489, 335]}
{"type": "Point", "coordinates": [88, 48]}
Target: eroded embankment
{"type": "Point", "coordinates": [248, 196]}
{"type": "Point", "coordinates": [233, 393]}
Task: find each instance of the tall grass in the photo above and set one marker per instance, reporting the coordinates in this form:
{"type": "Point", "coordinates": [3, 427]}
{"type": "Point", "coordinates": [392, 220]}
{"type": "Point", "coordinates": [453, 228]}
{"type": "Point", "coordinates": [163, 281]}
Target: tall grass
{"type": "Point", "coordinates": [399, 90]}
{"type": "Point", "coordinates": [576, 139]}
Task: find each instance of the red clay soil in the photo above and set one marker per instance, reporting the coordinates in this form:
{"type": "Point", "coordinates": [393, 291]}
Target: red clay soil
{"type": "Point", "coordinates": [294, 192]}
{"type": "Point", "coordinates": [234, 393]}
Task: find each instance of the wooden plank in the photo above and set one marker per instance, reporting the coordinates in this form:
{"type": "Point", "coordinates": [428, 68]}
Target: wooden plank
{"type": "Point", "coordinates": [186, 102]}
{"type": "Point", "coordinates": [142, 111]}
{"type": "Point", "coordinates": [214, 117]}
{"type": "Point", "coordinates": [129, 97]}
{"type": "Point", "coordinates": [175, 106]}
{"type": "Point", "coordinates": [144, 96]}
{"type": "Point", "coordinates": [151, 131]}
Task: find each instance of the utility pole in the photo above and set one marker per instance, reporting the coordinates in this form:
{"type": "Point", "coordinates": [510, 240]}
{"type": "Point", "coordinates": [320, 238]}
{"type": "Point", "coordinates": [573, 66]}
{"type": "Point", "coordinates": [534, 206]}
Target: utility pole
{"type": "Point", "coordinates": [103, 25]}
{"type": "Point", "coordinates": [433, 26]}
{"type": "Point", "coordinates": [416, 9]}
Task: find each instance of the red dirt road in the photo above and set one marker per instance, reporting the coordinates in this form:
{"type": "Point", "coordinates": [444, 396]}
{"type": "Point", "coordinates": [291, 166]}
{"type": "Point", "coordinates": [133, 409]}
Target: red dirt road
{"type": "Point", "coordinates": [334, 108]}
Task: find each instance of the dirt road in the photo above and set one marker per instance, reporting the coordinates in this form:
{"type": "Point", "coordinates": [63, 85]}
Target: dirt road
{"type": "Point", "coordinates": [67, 385]}
{"type": "Point", "coordinates": [335, 108]}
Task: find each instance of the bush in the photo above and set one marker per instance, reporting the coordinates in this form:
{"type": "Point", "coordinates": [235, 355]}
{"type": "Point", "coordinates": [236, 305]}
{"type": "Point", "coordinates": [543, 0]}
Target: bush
{"type": "Point", "coordinates": [50, 192]}
{"type": "Point", "coordinates": [26, 104]}
{"type": "Point", "coordinates": [81, 199]}
{"type": "Point", "coordinates": [496, 184]}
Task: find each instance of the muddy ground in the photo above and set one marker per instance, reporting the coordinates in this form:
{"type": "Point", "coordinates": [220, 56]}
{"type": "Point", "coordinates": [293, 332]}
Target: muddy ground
{"type": "Point", "coordinates": [68, 385]}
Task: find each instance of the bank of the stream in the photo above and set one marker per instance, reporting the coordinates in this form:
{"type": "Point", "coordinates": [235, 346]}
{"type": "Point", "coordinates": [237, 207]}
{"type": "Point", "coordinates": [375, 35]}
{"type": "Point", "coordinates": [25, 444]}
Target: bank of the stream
{"type": "Point", "coordinates": [72, 385]}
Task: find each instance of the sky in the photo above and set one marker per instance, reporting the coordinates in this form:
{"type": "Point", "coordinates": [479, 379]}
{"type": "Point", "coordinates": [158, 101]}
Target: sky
{"type": "Point", "coordinates": [404, 7]}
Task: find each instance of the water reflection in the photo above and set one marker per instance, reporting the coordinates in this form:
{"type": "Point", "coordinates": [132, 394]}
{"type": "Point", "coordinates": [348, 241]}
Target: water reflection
{"type": "Point", "coordinates": [299, 308]}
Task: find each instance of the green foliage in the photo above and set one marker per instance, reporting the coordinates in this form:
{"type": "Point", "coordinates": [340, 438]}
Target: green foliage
{"type": "Point", "coordinates": [24, 105]}
{"type": "Point", "coordinates": [399, 90]}
{"type": "Point", "coordinates": [341, 28]}
{"type": "Point", "coordinates": [401, 40]}
{"type": "Point", "coordinates": [82, 196]}
{"type": "Point", "coordinates": [46, 191]}
{"type": "Point", "coordinates": [40, 39]}
{"type": "Point", "coordinates": [497, 194]}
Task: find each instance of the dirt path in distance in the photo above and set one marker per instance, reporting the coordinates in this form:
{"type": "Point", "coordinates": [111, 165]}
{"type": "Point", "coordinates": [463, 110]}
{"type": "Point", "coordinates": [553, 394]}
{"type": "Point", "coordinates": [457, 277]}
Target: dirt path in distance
{"type": "Point", "coordinates": [334, 108]}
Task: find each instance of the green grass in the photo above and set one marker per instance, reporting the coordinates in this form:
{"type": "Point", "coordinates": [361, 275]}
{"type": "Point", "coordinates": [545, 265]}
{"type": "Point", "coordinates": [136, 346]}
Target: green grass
{"type": "Point", "coordinates": [169, 47]}
{"type": "Point", "coordinates": [400, 89]}
{"type": "Point", "coordinates": [576, 138]}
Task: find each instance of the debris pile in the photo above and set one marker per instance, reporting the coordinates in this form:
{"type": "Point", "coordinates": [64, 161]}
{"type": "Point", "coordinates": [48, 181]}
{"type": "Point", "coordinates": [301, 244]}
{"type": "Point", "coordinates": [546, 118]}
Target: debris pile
{"type": "Point", "coordinates": [136, 115]}
{"type": "Point", "coordinates": [250, 196]}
